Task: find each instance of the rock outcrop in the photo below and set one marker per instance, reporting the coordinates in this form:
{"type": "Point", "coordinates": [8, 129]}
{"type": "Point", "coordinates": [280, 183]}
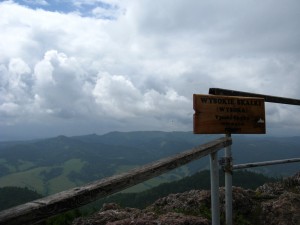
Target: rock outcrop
{"type": "Point", "coordinates": [273, 203]}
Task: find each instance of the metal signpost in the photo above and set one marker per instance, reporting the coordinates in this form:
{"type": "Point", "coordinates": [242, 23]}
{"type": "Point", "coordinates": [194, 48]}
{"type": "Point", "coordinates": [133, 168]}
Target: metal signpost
{"type": "Point", "coordinates": [252, 112]}
{"type": "Point", "coordinates": [228, 184]}
{"type": "Point", "coordinates": [226, 115]}
{"type": "Point", "coordinates": [214, 187]}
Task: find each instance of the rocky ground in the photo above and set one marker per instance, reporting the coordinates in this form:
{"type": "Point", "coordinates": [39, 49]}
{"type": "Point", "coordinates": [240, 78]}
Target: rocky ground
{"type": "Point", "coordinates": [271, 204]}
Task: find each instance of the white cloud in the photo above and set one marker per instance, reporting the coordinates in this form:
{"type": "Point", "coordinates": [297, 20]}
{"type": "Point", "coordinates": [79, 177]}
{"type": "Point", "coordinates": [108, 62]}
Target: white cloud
{"type": "Point", "coordinates": [59, 85]}
{"type": "Point", "coordinates": [110, 10]}
{"type": "Point", "coordinates": [139, 71]}
{"type": "Point", "coordinates": [103, 13]}
{"type": "Point", "coordinates": [43, 73]}
{"type": "Point", "coordinates": [18, 67]}
{"type": "Point", "coordinates": [9, 109]}
{"type": "Point", "coordinates": [37, 2]}
{"type": "Point", "coordinates": [117, 96]}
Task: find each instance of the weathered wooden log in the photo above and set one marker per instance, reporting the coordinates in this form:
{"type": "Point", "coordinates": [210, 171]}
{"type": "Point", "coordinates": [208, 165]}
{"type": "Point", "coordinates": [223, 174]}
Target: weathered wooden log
{"type": "Point", "coordinates": [268, 98]}
{"type": "Point", "coordinates": [265, 163]}
{"type": "Point", "coordinates": [41, 209]}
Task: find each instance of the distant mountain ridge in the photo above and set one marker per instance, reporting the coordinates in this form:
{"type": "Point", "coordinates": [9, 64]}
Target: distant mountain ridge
{"type": "Point", "coordinates": [55, 164]}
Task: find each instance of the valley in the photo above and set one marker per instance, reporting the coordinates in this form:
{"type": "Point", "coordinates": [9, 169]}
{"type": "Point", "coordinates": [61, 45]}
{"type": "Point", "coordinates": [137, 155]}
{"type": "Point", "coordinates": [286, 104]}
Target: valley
{"type": "Point", "coordinates": [52, 165]}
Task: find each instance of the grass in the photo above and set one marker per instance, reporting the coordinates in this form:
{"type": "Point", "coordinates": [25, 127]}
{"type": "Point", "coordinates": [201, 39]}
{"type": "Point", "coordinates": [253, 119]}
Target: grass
{"type": "Point", "coordinates": [62, 182]}
{"type": "Point", "coordinates": [32, 179]}
{"type": "Point", "coordinates": [168, 177]}
{"type": "Point", "coordinates": [124, 168]}
{"type": "Point", "coordinates": [146, 185]}
{"type": "Point", "coordinates": [25, 165]}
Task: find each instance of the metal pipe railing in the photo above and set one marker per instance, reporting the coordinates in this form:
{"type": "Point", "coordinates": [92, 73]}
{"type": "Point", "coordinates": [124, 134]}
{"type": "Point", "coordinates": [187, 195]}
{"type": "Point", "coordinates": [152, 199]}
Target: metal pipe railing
{"type": "Point", "coordinates": [265, 163]}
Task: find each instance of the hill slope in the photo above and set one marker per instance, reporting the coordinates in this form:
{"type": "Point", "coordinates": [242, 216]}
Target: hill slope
{"type": "Point", "coordinates": [55, 164]}
{"type": "Point", "coordinates": [12, 196]}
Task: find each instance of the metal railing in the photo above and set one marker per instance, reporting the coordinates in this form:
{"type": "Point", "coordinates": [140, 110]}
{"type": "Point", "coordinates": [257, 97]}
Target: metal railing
{"type": "Point", "coordinates": [228, 158]}
{"type": "Point", "coordinates": [265, 163]}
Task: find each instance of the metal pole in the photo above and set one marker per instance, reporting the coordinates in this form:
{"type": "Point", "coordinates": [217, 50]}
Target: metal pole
{"type": "Point", "coordinates": [228, 184]}
{"type": "Point", "coordinates": [266, 163]}
{"type": "Point", "coordinates": [214, 181]}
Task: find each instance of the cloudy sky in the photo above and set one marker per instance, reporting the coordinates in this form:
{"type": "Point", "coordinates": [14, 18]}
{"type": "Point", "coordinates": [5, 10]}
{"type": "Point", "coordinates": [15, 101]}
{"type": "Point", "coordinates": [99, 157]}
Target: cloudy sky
{"type": "Point", "coordinates": [94, 66]}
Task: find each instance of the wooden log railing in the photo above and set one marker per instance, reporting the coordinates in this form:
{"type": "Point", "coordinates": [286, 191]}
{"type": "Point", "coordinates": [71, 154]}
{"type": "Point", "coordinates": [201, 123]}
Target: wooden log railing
{"type": "Point", "coordinates": [41, 209]}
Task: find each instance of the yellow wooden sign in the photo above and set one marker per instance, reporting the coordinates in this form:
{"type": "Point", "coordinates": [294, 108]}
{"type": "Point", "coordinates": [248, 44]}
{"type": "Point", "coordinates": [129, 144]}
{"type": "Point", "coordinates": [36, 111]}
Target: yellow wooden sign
{"type": "Point", "coordinates": [216, 114]}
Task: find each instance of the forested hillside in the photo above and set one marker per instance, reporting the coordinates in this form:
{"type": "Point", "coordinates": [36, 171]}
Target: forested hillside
{"type": "Point", "coordinates": [12, 196]}
{"type": "Point", "coordinates": [55, 164]}
{"type": "Point", "coordinates": [272, 203]}
{"type": "Point", "coordinates": [198, 181]}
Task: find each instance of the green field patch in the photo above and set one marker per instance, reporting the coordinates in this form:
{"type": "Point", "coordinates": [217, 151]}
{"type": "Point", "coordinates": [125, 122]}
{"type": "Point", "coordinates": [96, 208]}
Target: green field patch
{"type": "Point", "coordinates": [24, 165]}
{"type": "Point", "coordinates": [21, 166]}
{"type": "Point", "coordinates": [59, 184]}
{"type": "Point", "coordinates": [62, 182]}
{"type": "Point", "coordinates": [34, 179]}
{"type": "Point", "coordinates": [51, 173]}
{"type": "Point", "coordinates": [125, 168]}
{"type": "Point", "coordinates": [146, 185]}
{"type": "Point", "coordinates": [11, 168]}
{"type": "Point", "coordinates": [165, 178]}
{"type": "Point", "coordinates": [73, 165]}
{"type": "Point", "coordinates": [30, 179]}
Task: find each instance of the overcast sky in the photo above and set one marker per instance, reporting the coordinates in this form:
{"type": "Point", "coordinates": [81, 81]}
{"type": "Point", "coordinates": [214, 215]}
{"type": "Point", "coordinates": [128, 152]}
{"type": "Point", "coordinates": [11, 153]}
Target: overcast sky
{"type": "Point", "coordinates": [89, 66]}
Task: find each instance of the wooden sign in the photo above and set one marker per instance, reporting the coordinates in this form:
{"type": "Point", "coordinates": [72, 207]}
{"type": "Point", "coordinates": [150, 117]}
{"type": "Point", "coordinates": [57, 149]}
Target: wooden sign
{"type": "Point", "coordinates": [215, 114]}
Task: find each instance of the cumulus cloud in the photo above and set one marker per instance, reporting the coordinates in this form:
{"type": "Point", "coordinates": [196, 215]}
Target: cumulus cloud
{"type": "Point", "coordinates": [36, 2]}
{"type": "Point", "coordinates": [125, 65]}
{"type": "Point", "coordinates": [128, 101]}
